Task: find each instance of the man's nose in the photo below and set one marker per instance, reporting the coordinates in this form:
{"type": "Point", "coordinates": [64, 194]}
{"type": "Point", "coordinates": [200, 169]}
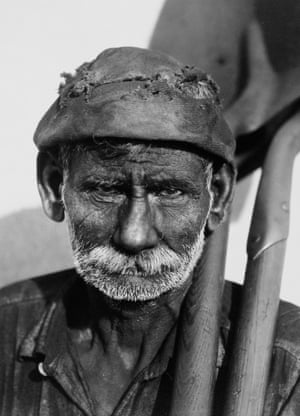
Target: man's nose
{"type": "Point", "coordinates": [136, 231]}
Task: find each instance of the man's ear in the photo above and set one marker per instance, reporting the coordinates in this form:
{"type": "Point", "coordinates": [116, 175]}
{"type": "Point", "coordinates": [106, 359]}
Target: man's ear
{"type": "Point", "coordinates": [50, 181]}
{"type": "Point", "coordinates": [221, 188]}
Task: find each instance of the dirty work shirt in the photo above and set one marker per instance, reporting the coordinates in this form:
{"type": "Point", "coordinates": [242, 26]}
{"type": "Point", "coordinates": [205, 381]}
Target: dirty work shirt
{"type": "Point", "coordinates": [40, 374]}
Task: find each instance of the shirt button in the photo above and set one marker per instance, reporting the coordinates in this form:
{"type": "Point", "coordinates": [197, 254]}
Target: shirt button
{"type": "Point", "coordinates": [41, 369]}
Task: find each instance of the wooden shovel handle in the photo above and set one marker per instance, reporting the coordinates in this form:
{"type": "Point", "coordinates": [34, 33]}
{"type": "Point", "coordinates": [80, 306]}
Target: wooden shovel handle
{"type": "Point", "coordinates": [251, 350]}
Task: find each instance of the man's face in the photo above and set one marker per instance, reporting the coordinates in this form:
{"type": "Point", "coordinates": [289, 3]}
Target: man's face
{"type": "Point", "coordinates": [136, 220]}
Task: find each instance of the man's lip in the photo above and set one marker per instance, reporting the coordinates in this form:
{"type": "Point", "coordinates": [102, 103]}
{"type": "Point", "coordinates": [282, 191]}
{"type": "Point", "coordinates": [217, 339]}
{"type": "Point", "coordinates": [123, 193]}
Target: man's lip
{"type": "Point", "coordinates": [131, 273]}
{"type": "Point", "coordinates": [134, 276]}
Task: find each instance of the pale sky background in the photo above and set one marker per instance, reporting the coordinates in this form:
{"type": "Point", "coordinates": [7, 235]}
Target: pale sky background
{"type": "Point", "coordinates": [42, 38]}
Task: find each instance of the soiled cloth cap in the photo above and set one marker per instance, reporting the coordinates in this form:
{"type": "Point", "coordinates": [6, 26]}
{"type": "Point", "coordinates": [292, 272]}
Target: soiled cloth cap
{"type": "Point", "coordinates": [140, 94]}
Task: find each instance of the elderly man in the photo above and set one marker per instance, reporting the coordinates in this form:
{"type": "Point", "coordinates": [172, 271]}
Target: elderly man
{"type": "Point", "coordinates": [136, 156]}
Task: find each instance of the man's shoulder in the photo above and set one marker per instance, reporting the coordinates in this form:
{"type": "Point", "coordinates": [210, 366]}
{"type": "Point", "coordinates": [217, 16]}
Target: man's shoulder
{"type": "Point", "coordinates": [287, 336]}
{"type": "Point", "coordinates": [22, 308]}
{"type": "Point", "coordinates": [37, 289]}
{"type": "Point", "coordinates": [288, 328]}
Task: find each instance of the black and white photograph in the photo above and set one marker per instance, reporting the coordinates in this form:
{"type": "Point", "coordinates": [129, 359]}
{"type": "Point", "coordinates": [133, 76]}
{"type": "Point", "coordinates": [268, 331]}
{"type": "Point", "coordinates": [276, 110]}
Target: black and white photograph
{"type": "Point", "coordinates": [149, 218]}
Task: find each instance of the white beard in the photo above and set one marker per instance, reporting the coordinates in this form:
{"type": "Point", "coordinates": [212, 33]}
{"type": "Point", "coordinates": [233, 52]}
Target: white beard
{"type": "Point", "coordinates": [140, 277]}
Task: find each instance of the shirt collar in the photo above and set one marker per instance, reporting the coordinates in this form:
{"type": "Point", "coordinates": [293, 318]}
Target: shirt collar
{"type": "Point", "coordinates": [42, 337]}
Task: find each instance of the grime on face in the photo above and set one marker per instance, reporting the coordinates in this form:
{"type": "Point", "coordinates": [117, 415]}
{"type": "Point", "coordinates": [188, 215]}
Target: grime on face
{"type": "Point", "coordinates": [137, 219]}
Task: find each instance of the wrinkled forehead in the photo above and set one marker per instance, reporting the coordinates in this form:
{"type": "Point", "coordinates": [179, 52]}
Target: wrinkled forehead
{"type": "Point", "coordinates": [151, 159]}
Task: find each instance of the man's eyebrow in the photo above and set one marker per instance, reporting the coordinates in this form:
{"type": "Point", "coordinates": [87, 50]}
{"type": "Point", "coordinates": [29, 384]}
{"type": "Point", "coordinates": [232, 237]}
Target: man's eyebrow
{"type": "Point", "coordinates": [104, 176]}
{"type": "Point", "coordinates": [94, 179]}
{"type": "Point", "coordinates": [175, 182]}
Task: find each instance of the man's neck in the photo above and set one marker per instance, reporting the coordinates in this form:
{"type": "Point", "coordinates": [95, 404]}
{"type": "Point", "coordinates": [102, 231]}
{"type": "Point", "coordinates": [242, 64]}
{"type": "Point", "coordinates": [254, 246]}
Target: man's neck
{"type": "Point", "coordinates": [134, 331]}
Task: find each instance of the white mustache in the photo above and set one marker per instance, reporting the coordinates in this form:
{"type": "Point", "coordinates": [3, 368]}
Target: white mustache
{"type": "Point", "coordinates": [156, 271]}
{"type": "Point", "coordinates": [152, 262]}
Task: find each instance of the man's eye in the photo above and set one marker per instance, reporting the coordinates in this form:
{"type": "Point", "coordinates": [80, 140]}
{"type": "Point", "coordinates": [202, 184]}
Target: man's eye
{"type": "Point", "coordinates": [102, 189]}
{"type": "Point", "coordinates": [108, 189]}
{"type": "Point", "coordinates": [96, 186]}
{"type": "Point", "coordinates": [169, 193]}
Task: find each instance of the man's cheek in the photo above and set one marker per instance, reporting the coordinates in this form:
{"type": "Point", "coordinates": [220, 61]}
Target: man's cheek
{"type": "Point", "coordinates": [94, 227]}
{"type": "Point", "coordinates": [184, 239]}
{"type": "Point", "coordinates": [182, 235]}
